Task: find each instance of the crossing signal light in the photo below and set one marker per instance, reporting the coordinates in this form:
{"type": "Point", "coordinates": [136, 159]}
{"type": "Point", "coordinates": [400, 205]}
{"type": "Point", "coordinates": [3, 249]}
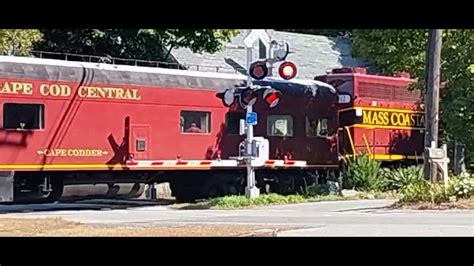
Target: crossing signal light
{"type": "Point", "coordinates": [258, 70]}
{"type": "Point", "coordinates": [287, 70]}
{"type": "Point", "coordinates": [227, 97]}
{"type": "Point", "coordinates": [247, 97]}
{"type": "Point", "coordinates": [272, 97]}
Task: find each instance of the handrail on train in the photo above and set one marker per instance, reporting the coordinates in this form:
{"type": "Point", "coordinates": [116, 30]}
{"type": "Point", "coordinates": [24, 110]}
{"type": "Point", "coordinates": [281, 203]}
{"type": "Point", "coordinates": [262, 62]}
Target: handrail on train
{"type": "Point", "coordinates": [133, 62]}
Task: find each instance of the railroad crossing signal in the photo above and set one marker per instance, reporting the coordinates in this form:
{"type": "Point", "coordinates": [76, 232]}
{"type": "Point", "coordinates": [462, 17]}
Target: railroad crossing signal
{"type": "Point", "coordinates": [258, 70]}
{"type": "Point", "coordinates": [279, 50]}
{"type": "Point", "coordinates": [272, 97]}
{"type": "Point", "coordinates": [227, 97]}
{"type": "Point", "coordinates": [248, 96]}
{"type": "Point", "coordinates": [287, 70]}
{"type": "Point", "coordinates": [256, 35]}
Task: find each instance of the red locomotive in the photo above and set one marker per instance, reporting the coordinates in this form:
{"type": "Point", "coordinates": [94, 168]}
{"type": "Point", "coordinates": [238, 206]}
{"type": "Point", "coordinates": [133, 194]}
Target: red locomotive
{"type": "Point", "coordinates": [384, 118]}
{"type": "Point", "coordinates": [72, 123]}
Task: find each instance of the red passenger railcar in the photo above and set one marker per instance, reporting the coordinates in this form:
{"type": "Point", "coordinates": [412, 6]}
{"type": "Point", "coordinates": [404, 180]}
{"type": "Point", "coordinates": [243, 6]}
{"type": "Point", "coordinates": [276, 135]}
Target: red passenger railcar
{"type": "Point", "coordinates": [69, 123]}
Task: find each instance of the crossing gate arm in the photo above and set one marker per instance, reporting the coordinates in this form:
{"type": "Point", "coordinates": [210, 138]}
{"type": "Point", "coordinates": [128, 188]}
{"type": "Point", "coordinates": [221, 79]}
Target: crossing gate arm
{"type": "Point", "coordinates": [208, 164]}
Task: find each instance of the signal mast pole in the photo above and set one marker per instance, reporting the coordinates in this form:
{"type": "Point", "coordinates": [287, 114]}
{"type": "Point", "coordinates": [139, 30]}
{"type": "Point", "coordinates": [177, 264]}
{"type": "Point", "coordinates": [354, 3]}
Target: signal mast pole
{"type": "Point", "coordinates": [282, 50]}
{"type": "Point", "coordinates": [251, 191]}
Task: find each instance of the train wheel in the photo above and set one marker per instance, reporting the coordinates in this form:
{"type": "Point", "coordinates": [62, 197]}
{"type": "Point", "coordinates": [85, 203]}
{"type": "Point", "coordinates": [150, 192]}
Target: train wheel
{"type": "Point", "coordinates": [233, 189]}
{"type": "Point", "coordinates": [213, 191]}
{"type": "Point", "coordinates": [34, 189]}
{"type": "Point", "coordinates": [188, 195]}
{"type": "Point", "coordinates": [223, 187]}
{"type": "Point", "coordinates": [184, 194]}
{"type": "Point", "coordinates": [56, 191]}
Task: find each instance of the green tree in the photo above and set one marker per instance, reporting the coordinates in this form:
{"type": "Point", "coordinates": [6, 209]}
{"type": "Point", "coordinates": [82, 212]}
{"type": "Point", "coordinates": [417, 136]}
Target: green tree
{"type": "Point", "coordinates": [18, 41]}
{"type": "Point", "coordinates": [145, 44]}
{"type": "Point", "coordinates": [391, 51]}
{"type": "Point", "coordinates": [457, 105]}
{"type": "Point", "coordinates": [404, 50]}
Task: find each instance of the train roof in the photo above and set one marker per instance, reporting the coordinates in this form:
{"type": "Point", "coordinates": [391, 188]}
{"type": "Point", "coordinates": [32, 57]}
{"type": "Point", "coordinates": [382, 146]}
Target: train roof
{"type": "Point", "coordinates": [87, 73]}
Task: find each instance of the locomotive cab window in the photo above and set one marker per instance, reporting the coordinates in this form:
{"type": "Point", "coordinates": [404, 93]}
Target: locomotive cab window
{"type": "Point", "coordinates": [195, 122]}
{"type": "Point", "coordinates": [317, 127]}
{"type": "Point", "coordinates": [280, 125]}
{"type": "Point", "coordinates": [18, 116]}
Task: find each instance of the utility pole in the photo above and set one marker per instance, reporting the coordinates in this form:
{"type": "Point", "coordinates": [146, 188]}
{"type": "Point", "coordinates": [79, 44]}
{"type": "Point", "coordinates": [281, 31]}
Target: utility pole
{"type": "Point", "coordinates": [427, 101]}
{"type": "Point", "coordinates": [433, 61]}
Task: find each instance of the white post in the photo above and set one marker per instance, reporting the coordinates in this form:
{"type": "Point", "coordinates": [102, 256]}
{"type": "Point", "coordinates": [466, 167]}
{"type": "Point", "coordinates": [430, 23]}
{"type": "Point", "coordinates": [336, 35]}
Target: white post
{"type": "Point", "coordinates": [251, 191]}
{"type": "Point", "coordinates": [459, 158]}
{"type": "Point", "coordinates": [445, 165]}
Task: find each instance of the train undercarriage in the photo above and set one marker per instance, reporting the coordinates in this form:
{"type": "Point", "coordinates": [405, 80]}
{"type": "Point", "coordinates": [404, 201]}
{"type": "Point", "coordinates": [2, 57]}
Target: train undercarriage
{"type": "Point", "coordinates": [186, 186]}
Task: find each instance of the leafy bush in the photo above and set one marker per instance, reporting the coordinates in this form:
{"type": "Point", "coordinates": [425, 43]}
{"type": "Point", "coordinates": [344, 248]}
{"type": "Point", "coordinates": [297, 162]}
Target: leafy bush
{"type": "Point", "coordinates": [362, 173]}
{"type": "Point", "coordinates": [461, 187]}
{"type": "Point", "coordinates": [416, 192]}
{"type": "Point", "coordinates": [438, 193]}
{"type": "Point", "coordinates": [424, 192]}
{"type": "Point", "coordinates": [402, 177]}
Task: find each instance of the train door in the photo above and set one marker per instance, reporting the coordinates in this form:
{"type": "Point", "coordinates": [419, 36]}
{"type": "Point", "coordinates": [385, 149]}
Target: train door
{"type": "Point", "coordinates": [140, 141]}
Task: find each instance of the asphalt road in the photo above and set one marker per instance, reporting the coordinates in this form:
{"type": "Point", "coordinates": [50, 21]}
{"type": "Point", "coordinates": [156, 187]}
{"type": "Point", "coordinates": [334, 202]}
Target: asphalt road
{"type": "Point", "coordinates": [342, 218]}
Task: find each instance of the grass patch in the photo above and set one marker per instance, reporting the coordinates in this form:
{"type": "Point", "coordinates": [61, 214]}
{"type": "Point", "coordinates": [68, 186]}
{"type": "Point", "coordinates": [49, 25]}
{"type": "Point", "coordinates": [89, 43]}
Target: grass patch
{"type": "Point", "coordinates": [236, 202]}
{"type": "Point", "coordinates": [231, 202]}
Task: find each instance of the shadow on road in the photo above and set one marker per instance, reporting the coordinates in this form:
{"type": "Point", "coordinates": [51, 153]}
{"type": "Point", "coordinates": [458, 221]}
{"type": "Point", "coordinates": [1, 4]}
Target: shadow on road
{"type": "Point", "coordinates": [92, 204]}
{"type": "Point", "coordinates": [368, 209]}
{"type": "Point", "coordinates": [192, 206]}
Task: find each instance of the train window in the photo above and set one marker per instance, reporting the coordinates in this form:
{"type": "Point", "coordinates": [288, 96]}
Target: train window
{"type": "Point", "coordinates": [195, 122]}
{"type": "Point", "coordinates": [343, 85]}
{"type": "Point", "coordinates": [140, 145]}
{"type": "Point", "coordinates": [18, 116]}
{"type": "Point", "coordinates": [232, 123]}
{"type": "Point", "coordinates": [280, 125]}
{"type": "Point", "coordinates": [349, 117]}
{"type": "Point", "coordinates": [317, 127]}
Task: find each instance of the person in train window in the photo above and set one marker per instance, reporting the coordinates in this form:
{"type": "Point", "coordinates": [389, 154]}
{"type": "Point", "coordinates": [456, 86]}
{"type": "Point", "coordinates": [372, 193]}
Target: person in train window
{"type": "Point", "coordinates": [193, 129]}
